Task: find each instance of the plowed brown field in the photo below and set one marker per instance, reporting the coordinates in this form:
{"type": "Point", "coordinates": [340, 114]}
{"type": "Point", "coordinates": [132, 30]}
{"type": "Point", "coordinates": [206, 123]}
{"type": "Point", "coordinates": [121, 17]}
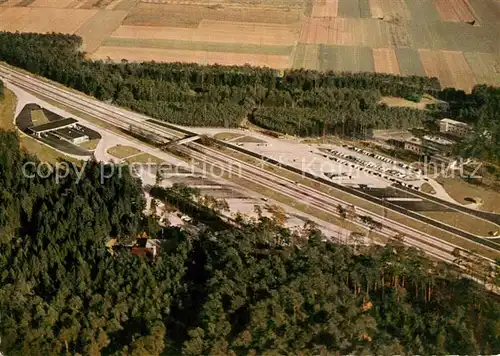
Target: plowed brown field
{"type": "Point", "coordinates": [435, 66]}
{"type": "Point", "coordinates": [463, 78]}
{"type": "Point", "coordinates": [376, 9]}
{"type": "Point", "coordinates": [455, 10]}
{"type": "Point", "coordinates": [57, 4]}
{"type": "Point", "coordinates": [216, 31]}
{"type": "Point", "coordinates": [56, 20]}
{"type": "Point", "coordinates": [385, 61]}
{"type": "Point", "coordinates": [325, 8]}
{"type": "Point", "coordinates": [11, 18]}
{"type": "Point", "coordinates": [165, 55]}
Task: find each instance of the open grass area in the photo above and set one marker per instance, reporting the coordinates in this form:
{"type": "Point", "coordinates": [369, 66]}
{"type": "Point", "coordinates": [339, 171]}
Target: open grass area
{"type": "Point", "coordinates": [459, 190]}
{"type": "Point", "coordinates": [90, 145]}
{"type": "Point", "coordinates": [400, 102]}
{"type": "Point", "coordinates": [248, 139]}
{"type": "Point", "coordinates": [120, 151]}
{"type": "Point", "coordinates": [427, 188]}
{"type": "Point", "coordinates": [226, 136]}
{"type": "Point", "coordinates": [38, 117]}
{"type": "Point", "coordinates": [28, 144]}
{"type": "Point", "coordinates": [463, 221]}
{"type": "Point", "coordinates": [144, 158]}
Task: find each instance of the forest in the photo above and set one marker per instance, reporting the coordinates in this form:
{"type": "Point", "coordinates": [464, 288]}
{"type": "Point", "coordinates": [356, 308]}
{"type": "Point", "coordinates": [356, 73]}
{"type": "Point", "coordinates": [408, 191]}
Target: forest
{"type": "Point", "coordinates": [249, 288]}
{"type": "Point", "coordinates": [214, 95]}
{"type": "Point", "coordinates": [481, 110]}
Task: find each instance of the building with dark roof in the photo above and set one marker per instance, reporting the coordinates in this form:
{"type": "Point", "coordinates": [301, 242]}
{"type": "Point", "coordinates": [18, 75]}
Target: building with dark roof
{"type": "Point", "coordinates": [71, 135]}
{"type": "Point", "coordinates": [53, 126]}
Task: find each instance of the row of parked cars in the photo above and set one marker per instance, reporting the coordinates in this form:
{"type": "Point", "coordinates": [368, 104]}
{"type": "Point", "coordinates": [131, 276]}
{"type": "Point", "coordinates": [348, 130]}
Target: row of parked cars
{"type": "Point", "coordinates": [402, 165]}
{"type": "Point", "coordinates": [370, 168]}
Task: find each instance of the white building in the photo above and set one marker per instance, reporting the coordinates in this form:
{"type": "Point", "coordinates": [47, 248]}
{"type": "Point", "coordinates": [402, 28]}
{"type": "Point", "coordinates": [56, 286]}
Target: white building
{"type": "Point", "coordinates": [456, 128]}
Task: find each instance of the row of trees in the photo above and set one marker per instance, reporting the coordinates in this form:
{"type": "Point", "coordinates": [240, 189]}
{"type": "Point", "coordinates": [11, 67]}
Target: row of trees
{"type": "Point", "coordinates": [253, 288]}
{"type": "Point", "coordinates": [196, 95]}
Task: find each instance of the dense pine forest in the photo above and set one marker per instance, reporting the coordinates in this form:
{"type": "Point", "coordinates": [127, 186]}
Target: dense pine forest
{"type": "Point", "coordinates": [197, 95]}
{"type": "Point", "coordinates": [253, 289]}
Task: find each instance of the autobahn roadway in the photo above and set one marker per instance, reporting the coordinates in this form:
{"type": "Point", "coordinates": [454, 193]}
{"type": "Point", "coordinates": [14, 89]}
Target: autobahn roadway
{"type": "Point", "coordinates": [125, 119]}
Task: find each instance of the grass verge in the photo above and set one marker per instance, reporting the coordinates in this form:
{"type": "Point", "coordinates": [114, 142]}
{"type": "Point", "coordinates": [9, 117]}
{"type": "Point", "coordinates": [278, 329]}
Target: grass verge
{"type": "Point", "coordinates": [459, 190]}
{"type": "Point", "coordinates": [121, 151]}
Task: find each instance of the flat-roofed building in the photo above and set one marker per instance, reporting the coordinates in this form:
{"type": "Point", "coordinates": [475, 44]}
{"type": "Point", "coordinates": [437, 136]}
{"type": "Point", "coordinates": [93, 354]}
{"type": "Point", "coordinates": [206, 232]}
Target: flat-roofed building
{"type": "Point", "coordinates": [52, 126]}
{"type": "Point", "coordinates": [455, 128]}
{"type": "Point", "coordinates": [71, 135]}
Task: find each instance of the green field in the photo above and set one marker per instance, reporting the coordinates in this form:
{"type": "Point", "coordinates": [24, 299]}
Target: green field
{"type": "Point", "coordinates": [346, 58]}
{"type": "Point", "coordinates": [409, 62]}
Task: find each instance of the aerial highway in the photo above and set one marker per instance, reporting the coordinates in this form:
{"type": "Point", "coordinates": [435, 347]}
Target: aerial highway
{"type": "Point", "coordinates": [124, 119]}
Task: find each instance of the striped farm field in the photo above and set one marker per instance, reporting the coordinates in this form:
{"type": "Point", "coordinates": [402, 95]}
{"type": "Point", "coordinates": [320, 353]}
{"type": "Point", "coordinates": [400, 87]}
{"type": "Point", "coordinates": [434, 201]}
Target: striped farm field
{"type": "Point", "coordinates": [436, 66]}
{"type": "Point", "coordinates": [216, 31]}
{"type": "Point", "coordinates": [346, 58]}
{"type": "Point", "coordinates": [463, 78]}
{"type": "Point", "coordinates": [9, 3]}
{"type": "Point", "coordinates": [395, 9]}
{"type": "Point", "coordinates": [385, 61]}
{"type": "Point", "coordinates": [423, 11]}
{"type": "Point", "coordinates": [306, 56]}
{"type": "Point", "coordinates": [409, 62]}
{"type": "Point", "coordinates": [345, 32]}
{"type": "Point", "coordinates": [486, 11]}
{"type": "Point", "coordinates": [354, 8]}
{"type": "Point", "coordinates": [455, 10]}
{"type": "Point", "coordinates": [190, 16]}
{"type": "Point", "coordinates": [11, 17]}
{"type": "Point", "coordinates": [57, 4]}
{"type": "Point", "coordinates": [485, 66]}
{"type": "Point", "coordinates": [99, 27]}
{"type": "Point", "coordinates": [325, 8]}
{"type": "Point", "coordinates": [56, 20]}
{"type": "Point", "coordinates": [137, 54]}
{"type": "Point", "coordinates": [197, 46]}
{"type": "Point", "coordinates": [376, 9]}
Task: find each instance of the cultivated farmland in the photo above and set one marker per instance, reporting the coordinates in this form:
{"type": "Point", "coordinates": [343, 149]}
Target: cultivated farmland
{"type": "Point", "coordinates": [455, 40]}
{"type": "Point", "coordinates": [385, 61]}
